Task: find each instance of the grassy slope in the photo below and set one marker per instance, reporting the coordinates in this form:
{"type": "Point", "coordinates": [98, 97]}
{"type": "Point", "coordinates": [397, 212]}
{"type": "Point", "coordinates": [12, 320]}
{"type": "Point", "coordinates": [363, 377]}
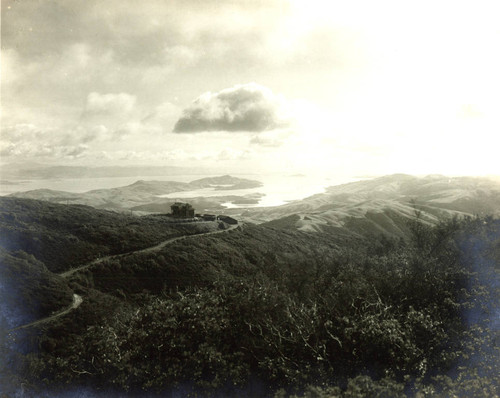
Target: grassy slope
{"type": "Point", "coordinates": [385, 204]}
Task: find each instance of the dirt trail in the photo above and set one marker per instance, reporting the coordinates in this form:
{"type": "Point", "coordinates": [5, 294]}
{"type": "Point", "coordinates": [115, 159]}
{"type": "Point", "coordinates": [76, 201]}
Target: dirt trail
{"type": "Point", "coordinates": [146, 250]}
{"type": "Point", "coordinates": [77, 300]}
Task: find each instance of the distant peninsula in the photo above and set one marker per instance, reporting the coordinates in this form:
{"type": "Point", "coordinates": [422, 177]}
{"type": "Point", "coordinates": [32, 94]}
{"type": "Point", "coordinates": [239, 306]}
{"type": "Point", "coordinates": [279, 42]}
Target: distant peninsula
{"type": "Point", "coordinates": [146, 194]}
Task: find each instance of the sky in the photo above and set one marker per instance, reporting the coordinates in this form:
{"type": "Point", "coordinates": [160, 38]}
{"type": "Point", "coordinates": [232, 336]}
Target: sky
{"type": "Point", "coordinates": [339, 87]}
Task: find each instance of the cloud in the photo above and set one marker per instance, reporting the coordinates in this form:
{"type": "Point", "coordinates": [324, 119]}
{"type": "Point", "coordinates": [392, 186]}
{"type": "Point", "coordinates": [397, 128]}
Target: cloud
{"type": "Point", "coordinates": [272, 139]}
{"type": "Point", "coordinates": [26, 150]}
{"type": "Point", "coordinates": [266, 141]}
{"type": "Point", "coordinates": [109, 116]}
{"type": "Point", "coordinates": [232, 154]}
{"type": "Point", "coordinates": [248, 108]}
{"type": "Point", "coordinates": [180, 55]}
{"type": "Point", "coordinates": [21, 132]}
{"type": "Point", "coordinates": [170, 34]}
{"type": "Point", "coordinates": [164, 114]}
{"type": "Point", "coordinates": [96, 132]}
{"type": "Point", "coordinates": [10, 66]}
{"type": "Point", "coordinates": [30, 140]}
{"type": "Point", "coordinates": [109, 103]}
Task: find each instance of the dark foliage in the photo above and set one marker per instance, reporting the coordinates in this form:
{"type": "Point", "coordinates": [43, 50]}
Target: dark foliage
{"type": "Point", "coordinates": [63, 236]}
{"type": "Point", "coordinates": [293, 258]}
{"type": "Point", "coordinates": [298, 314]}
{"type": "Point", "coordinates": [28, 291]}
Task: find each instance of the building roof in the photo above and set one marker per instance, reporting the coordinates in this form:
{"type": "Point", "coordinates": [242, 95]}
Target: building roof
{"type": "Point", "coordinates": [181, 204]}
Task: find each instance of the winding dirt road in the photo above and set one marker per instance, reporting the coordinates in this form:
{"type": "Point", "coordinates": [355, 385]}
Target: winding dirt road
{"type": "Point", "coordinates": [77, 300]}
{"type": "Point", "coordinates": [146, 250]}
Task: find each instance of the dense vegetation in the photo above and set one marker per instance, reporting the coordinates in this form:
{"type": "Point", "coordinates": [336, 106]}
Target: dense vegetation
{"type": "Point", "coordinates": [63, 237]}
{"type": "Point", "coordinates": [261, 311]}
{"type": "Point", "coordinates": [28, 290]}
{"type": "Point", "coordinates": [202, 261]}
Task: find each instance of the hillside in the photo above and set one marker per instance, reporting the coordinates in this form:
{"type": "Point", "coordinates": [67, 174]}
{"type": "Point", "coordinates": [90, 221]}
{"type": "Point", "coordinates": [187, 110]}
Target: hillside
{"type": "Point", "coordinates": [257, 310]}
{"type": "Point", "coordinates": [28, 290]}
{"type": "Point", "coordinates": [246, 252]}
{"type": "Point", "coordinates": [209, 315]}
{"type": "Point", "coordinates": [384, 205]}
{"type": "Point", "coordinates": [64, 236]}
{"type": "Point", "coordinates": [142, 193]}
{"type": "Point", "coordinates": [368, 207]}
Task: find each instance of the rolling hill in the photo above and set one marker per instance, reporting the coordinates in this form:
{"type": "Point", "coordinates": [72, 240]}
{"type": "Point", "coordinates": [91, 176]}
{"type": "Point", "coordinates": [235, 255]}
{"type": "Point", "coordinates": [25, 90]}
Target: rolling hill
{"type": "Point", "coordinates": [64, 236]}
{"type": "Point", "coordinates": [367, 207]}
{"type": "Point", "coordinates": [143, 195]}
{"type": "Point", "coordinates": [278, 303]}
{"type": "Point", "coordinates": [383, 205]}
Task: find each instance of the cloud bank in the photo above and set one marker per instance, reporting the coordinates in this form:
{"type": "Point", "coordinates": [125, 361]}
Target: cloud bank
{"type": "Point", "coordinates": [242, 108]}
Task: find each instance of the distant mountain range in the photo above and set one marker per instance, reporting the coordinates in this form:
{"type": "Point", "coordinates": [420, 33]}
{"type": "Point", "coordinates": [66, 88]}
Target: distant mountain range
{"type": "Point", "coordinates": [373, 206]}
{"type": "Point", "coordinates": [146, 195]}
{"type": "Point", "coordinates": [383, 205]}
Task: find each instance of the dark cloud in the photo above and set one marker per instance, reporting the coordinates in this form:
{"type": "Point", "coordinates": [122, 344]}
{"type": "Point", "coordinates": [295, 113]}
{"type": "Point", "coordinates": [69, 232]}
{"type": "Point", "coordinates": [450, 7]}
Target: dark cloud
{"type": "Point", "coordinates": [59, 50]}
{"type": "Point", "coordinates": [65, 48]}
{"type": "Point", "coordinates": [135, 34]}
{"type": "Point", "coordinates": [36, 28]}
{"type": "Point", "coordinates": [246, 108]}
